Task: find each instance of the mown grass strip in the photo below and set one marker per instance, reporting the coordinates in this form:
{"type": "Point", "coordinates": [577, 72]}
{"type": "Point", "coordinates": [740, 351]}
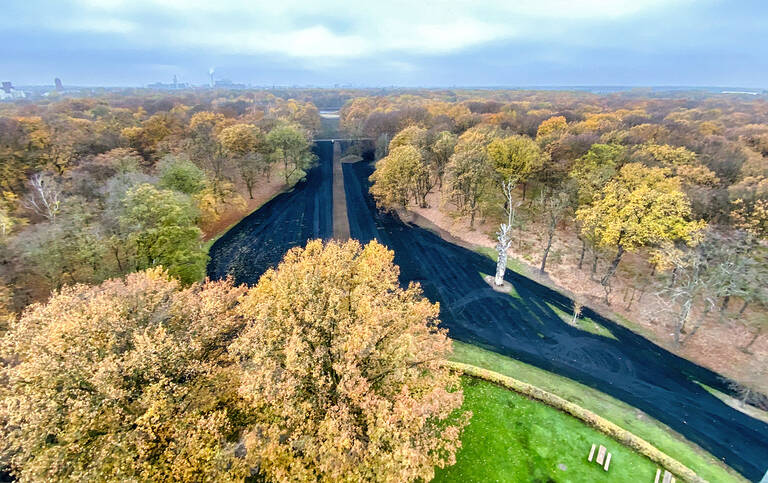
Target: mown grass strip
{"type": "Point", "coordinates": [619, 434]}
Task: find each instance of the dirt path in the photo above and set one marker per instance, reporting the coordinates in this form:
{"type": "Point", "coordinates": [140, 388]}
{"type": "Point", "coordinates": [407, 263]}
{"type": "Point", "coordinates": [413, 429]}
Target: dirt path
{"type": "Point", "coordinates": [340, 220]}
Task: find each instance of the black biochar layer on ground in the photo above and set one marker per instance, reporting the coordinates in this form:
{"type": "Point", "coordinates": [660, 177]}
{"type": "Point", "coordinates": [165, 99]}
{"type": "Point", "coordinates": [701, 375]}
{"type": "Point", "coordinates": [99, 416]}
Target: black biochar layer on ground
{"type": "Point", "coordinates": [629, 367]}
{"type": "Point", "coordinates": [262, 238]}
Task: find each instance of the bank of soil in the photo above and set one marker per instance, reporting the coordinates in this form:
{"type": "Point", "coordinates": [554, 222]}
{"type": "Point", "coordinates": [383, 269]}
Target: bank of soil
{"type": "Point", "coordinates": [262, 193]}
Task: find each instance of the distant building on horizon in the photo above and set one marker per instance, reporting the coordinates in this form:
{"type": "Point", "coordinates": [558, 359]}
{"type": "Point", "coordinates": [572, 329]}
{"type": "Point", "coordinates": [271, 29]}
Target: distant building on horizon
{"type": "Point", "coordinates": [8, 92]}
{"type": "Point", "coordinates": [228, 84]}
{"type": "Point", "coordinates": [172, 86]}
{"type": "Point", "coordinates": [59, 85]}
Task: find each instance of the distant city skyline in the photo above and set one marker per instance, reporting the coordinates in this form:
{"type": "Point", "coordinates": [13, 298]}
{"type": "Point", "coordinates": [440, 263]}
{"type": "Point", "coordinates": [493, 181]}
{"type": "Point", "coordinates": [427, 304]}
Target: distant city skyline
{"type": "Point", "coordinates": [391, 43]}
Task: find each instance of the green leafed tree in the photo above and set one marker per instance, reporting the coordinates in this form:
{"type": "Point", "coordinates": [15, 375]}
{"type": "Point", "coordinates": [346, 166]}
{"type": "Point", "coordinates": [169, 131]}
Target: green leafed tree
{"type": "Point", "coordinates": [640, 207]}
{"type": "Point", "coordinates": [181, 175]}
{"type": "Point", "coordinates": [398, 178]}
{"type": "Point", "coordinates": [591, 171]}
{"type": "Point", "coordinates": [441, 151]}
{"type": "Point", "coordinates": [289, 144]}
{"type": "Point", "coordinates": [469, 172]}
{"type": "Point", "coordinates": [514, 160]}
{"type": "Point", "coordinates": [161, 227]}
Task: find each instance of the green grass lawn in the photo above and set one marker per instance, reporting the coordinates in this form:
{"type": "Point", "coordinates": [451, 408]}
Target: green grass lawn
{"type": "Point", "coordinates": [622, 414]}
{"type": "Point", "coordinates": [514, 439]}
{"type": "Point", "coordinates": [512, 263]}
{"type": "Point", "coordinates": [584, 323]}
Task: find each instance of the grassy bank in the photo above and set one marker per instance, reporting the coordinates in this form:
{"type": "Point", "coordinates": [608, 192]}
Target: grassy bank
{"type": "Point", "coordinates": [512, 438]}
{"type": "Point", "coordinates": [621, 414]}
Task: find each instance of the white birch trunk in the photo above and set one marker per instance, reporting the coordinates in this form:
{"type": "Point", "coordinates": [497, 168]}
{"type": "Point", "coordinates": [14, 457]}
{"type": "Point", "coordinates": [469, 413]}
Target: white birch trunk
{"type": "Point", "coordinates": [504, 236]}
{"type": "Point", "coordinates": [501, 249]}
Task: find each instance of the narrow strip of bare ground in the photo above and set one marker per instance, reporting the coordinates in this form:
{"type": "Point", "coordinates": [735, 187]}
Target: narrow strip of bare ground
{"type": "Point", "coordinates": [340, 219]}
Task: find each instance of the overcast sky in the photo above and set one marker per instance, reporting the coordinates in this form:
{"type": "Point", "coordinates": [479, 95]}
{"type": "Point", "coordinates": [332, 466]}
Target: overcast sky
{"type": "Point", "coordinates": [387, 42]}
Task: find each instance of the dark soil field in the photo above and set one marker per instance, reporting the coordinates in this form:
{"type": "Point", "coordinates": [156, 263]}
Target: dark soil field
{"type": "Point", "coordinates": [261, 239]}
{"type": "Point", "coordinates": [525, 326]}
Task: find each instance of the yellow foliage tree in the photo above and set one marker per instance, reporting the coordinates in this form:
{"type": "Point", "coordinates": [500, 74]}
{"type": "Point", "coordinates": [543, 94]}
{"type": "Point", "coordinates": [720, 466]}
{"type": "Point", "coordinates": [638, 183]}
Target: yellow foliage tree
{"type": "Point", "coordinates": [640, 207]}
{"type": "Point", "coordinates": [752, 218]}
{"type": "Point", "coordinates": [126, 381]}
{"type": "Point", "coordinates": [552, 126]}
{"type": "Point", "coordinates": [345, 369]}
{"type": "Point", "coordinates": [399, 178]}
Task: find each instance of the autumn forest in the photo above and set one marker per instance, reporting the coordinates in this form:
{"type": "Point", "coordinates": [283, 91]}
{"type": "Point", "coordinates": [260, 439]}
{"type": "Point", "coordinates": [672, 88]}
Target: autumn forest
{"type": "Point", "coordinates": [124, 358]}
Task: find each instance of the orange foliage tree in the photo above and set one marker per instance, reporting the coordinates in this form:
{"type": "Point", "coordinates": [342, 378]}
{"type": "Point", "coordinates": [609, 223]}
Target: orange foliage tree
{"type": "Point", "coordinates": [326, 370]}
{"type": "Point", "coordinates": [346, 371]}
{"type": "Point", "coordinates": [129, 380]}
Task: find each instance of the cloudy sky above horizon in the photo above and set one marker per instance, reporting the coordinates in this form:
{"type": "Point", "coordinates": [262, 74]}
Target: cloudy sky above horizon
{"type": "Point", "coordinates": [387, 42]}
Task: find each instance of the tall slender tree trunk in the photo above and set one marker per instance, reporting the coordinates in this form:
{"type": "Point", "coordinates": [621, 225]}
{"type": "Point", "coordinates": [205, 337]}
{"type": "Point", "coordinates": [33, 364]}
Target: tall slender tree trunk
{"type": "Point", "coordinates": [116, 251]}
{"type": "Point", "coordinates": [724, 305]}
{"type": "Point", "coordinates": [632, 298]}
{"type": "Point", "coordinates": [754, 338]}
{"type": "Point", "coordinates": [501, 264]}
{"type": "Point", "coordinates": [594, 265]}
{"type": "Point", "coordinates": [614, 266]}
{"type": "Point", "coordinates": [583, 252]}
{"type": "Point", "coordinates": [674, 277]}
{"type": "Point", "coordinates": [546, 252]}
{"type": "Point", "coordinates": [682, 320]}
{"type": "Point", "coordinates": [697, 326]}
{"type": "Point", "coordinates": [743, 307]}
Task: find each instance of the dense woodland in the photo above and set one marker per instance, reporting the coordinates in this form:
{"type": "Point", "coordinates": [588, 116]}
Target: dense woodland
{"type": "Point", "coordinates": [655, 197]}
{"type": "Point", "coordinates": [679, 184]}
{"type": "Point", "coordinates": [99, 187]}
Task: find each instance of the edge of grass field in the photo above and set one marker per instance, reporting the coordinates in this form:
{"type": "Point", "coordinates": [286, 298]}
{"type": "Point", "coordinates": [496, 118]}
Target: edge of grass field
{"type": "Point", "coordinates": [615, 413]}
{"type": "Point", "coordinates": [527, 271]}
{"type": "Point", "coordinates": [591, 419]}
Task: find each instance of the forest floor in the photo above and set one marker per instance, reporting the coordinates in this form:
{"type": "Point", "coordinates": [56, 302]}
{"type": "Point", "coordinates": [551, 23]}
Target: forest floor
{"type": "Point", "coordinates": [717, 344]}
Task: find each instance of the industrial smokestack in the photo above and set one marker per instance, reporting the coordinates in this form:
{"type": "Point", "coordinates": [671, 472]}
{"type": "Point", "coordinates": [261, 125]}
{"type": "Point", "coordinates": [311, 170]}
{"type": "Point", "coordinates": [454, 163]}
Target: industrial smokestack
{"type": "Point", "coordinates": [210, 73]}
